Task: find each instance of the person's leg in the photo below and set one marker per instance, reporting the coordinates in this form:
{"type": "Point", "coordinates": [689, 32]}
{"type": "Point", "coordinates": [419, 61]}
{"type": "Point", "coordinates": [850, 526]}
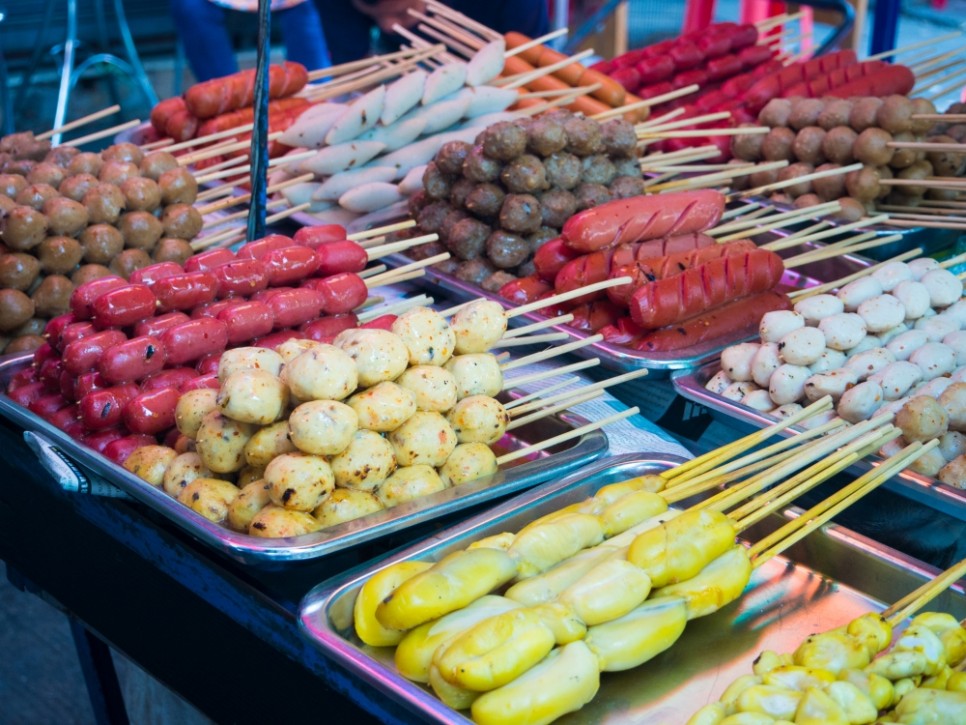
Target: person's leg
{"type": "Point", "coordinates": [525, 16]}
{"type": "Point", "coordinates": [346, 30]}
{"type": "Point", "coordinates": [202, 32]}
{"type": "Point", "coordinates": [302, 33]}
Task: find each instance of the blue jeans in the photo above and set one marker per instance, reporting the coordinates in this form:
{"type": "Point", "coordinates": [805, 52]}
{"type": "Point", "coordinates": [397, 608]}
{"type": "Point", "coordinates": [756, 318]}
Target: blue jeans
{"type": "Point", "coordinates": [204, 36]}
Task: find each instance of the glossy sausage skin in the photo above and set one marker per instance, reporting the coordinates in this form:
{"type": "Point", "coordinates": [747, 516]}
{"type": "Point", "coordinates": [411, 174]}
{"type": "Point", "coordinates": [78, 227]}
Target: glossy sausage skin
{"type": "Point", "coordinates": [185, 291]}
{"type": "Point", "coordinates": [170, 378]}
{"type": "Point", "coordinates": [258, 248]}
{"type": "Point", "coordinates": [342, 293]}
{"type": "Point", "coordinates": [152, 412]}
{"type": "Point", "coordinates": [320, 234]}
{"type": "Point", "coordinates": [207, 261]}
{"type": "Point", "coordinates": [522, 290]}
{"type": "Point", "coordinates": [194, 339]}
{"type": "Point", "coordinates": [639, 218]}
{"type": "Point", "coordinates": [551, 258]}
{"type": "Point", "coordinates": [82, 298]}
{"type": "Point", "coordinates": [290, 264]}
{"type": "Point", "coordinates": [102, 409]}
{"type": "Point", "coordinates": [294, 307]}
{"type": "Point", "coordinates": [241, 277]}
{"type": "Point", "coordinates": [83, 355]}
{"type": "Point", "coordinates": [119, 449]}
{"type": "Point", "coordinates": [326, 328]}
{"type": "Point", "coordinates": [124, 306]}
{"type": "Point", "coordinates": [153, 272]}
{"type": "Point", "coordinates": [207, 380]}
{"type": "Point", "coordinates": [156, 325]}
{"type": "Point", "coordinates": [341, 256]}
{"type": "Point", "coordinates": [132, 360]}
{"type": "Point", "coordinates": [247, 320]}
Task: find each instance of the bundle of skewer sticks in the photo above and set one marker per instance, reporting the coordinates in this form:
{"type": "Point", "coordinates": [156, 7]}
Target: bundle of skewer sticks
{"type": "Point", "coordinates": [616, 577]}
{"type": "Point", "coordinates": [885, 673]}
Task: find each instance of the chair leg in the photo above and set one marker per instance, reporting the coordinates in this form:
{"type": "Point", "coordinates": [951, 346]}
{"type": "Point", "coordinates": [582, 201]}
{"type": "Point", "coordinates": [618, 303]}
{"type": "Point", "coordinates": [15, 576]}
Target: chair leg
{"type": "Point", "coordinates": [100, 676]}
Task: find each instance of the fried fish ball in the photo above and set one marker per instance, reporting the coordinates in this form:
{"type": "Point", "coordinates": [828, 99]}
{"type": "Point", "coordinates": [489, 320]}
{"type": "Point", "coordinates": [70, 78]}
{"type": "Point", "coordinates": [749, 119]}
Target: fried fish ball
{"type": "Point", "coordinates": [140, 229]}
{"type": "Point", "coordinates": [250, 358]}
{"type": "Point", "coordinates": [267, 443]}
{"type": "Point", "coordinates": [299, 481]}
{"type": "Point", "coordinates": [476, 374]}
{"type": "Point", "coordinates": [322, 427]}
{"type": "Point", "coordinates": [149, 463]}
{"type": "Point", "coordinates": [345, 504]}
{"type": "Point", "coordinates": [922, 418]}
{"type": "Point", "coordinates": [129, 261]}
{"type": "Point", "coordinates": [276, 522]}
{"type": "Point", "coordinates": [23, 228]}
{"type": "Point", "coordinates": [426, 335]}
{"type": "Point", "coordinates": [192, 407]}
{"type": "Point", "coordinates": [379, 355]}
{"type": "Point", "coordinates": [478, 326]}
{"type": "Point", "coordinates": [368, 460]}
{"type": "Point", "coordinates": [253, 396]}
{"type": "Point", "coordinates": [954, 472]}
{"type": "Point", "coordinates": [15, 309]}
{"type": "Point", "coordinates": [183, 470]}
{"type": "Point", "coordinates": [323, 372]}
{"type": "Point", "coordinates": [479, 419]}
{"type": "Point", "coordinates": [424, 438]}
{"type": "Point", "coordinates": [408, 483]}
{"type": "Point", "coordinates": [251, 499]}
{"type": "Point", "coordinates": [101, 243]}
{"type": "Point", "coordinates": [209, 497]}
{"type": "Point", "coordinates": [383, 407]}
{"type": "Point", "coordinates": [468, 462]}
{"type": "Point", "coordinates": [435, 389]}
{"type": "Point", "coordinates": [59, 255]}
{"type": "Point", "coordinates": [169, 249]}
{"type": "Point", "coordinates": [221, 442]}
{"type": "Point", "coordinates": [18, 271]}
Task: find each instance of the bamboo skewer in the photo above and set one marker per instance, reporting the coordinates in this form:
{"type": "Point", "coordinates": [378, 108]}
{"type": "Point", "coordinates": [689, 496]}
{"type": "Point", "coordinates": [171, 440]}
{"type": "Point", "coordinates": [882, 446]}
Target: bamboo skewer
{"type": "Point", "coordinates": [337, 70]}
{"type": "Point", "coordinates": [390, 276]}
{"type": "Point", "coordinates": [82, 121]}
{"type": "Point", "coordinates": [244, 198]}
{"type": "Point", "coordinates": [218, 221]}
{"type": "Point", "coordinates": [537, 41]}
{"type": "Point", "coordinates": [939, 182]}
{"type": "Point", "coordinates": [447, 26]}
{"type": "Point", "coordinates": [953, 261]}
{"type": "Point", "coordinates": [547, 354]}
{"type": "Point", "coordinates": [658, 120]}
{"type": "Point", "coordinates": [575, 398]}
{"type": "Point", "coordinates": [220, 149]}
{"type": "Point", "coordinates": [835, 284]}
{"type": "Point", "coordinates": [531, 339]}
{"type": "Point", "coordinates": [742, 229]}
{"type": "Point", "coordinates": [691, 154]}
{"type": "Point", "coordinates": [338, 89]}
{"type": "Point", "coordinates": [766, 188]}
{"type": "Point", "coordinates": [448, 12]}
{"type": "Point", "coordinates": [747, 211]}
{"type": "Point", "coordinates": [694, 182]}
{"type": "Point", "coordinates": [563, 437]}
{"type": "Point", "coordinates": [601, 385]}
{"type": "Point", "coordinates": [230, 236]}
{"type": "Point", "coordinates": [909, 224]}
{"type": "Point", "coordinates": [396, 308]}
{"type": "Point", "coordinates": [913, 46]}
{"type": "Point", "coordinates": [793, 239]}
{"type": "Point", "coordinates": [280, 161]}
{"type": "Point", "coordinates": [522, 380]}
{"type": "Point", "coordinates": [927, 217]}
{"type": "Point", "coordinates": [564, 296]}
{"type": "Point", "coordinates": [705, 118]}
{"type": "Point", "coordinates": [523, 79]}
{"type": "Point", "coordinates": [102, 133]}
{"type": "Point", "coordinates": [951, 77]}
{"type": "Point", "coordinates": [537, 326]}
{"type": "Point", "coordinates": [373, 271]}
{"type": "Point", "coordinates": [870, 241]}
{"type": "Point", "coordinates": [448, 40]}
{"type": "Point", "coordinates": [919, 598]}
{"type": "Point", "coordinates": [523, 399]}
{"type": "Point", "coordinates": [698, 132]}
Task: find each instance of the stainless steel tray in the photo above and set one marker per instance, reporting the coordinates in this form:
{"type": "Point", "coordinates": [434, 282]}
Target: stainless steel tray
{"type": "Point", "coordinates": [822, 582]}
{"type": "Point", "coordinates": [926, 490]}
{"type": "Point", "coordinates": [266, 552]}
{"type": "Point", "coordinates": [624, 359]}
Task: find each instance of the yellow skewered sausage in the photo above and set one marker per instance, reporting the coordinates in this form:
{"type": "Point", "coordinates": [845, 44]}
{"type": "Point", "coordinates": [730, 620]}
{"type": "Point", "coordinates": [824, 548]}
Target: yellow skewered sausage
{"type": "Point", "coordinates": [538, 548]}
{"type": "Point", "coordinates": [346, 504]}
{"type": "Point", "coordinates": [562, 620]}
{"type": "Point", "coordinates": [249, 501]}
{"type": "Point", "coordinates": [608, 591]}
{"type": "Point", "coordinates": [719, 583]}
{"type": "Point", "coordinates": [426, 335]}
{"type": "Point", "coordinates": [639, 635]}
{"type": "Point", "coordinates": [253, 396]}
{"type": "Point", "coordinates": [268, 443]}
{"type": "Point", "coordinates": [468, 462]}
{"type": "Point", "coordinates": [817, 708]}
{"type": "Point", "coordinates": [378, 587]}
{"type": "Point", "coordinates": [776, 702]}
{"type": "Point", "coordinates": [322, 372]}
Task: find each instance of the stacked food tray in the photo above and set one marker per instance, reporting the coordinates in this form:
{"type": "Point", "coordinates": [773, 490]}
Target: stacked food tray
{"type": "Point", "coordinates": [825, 580]}
{"type": "Point", "coordinates": [534, 469]}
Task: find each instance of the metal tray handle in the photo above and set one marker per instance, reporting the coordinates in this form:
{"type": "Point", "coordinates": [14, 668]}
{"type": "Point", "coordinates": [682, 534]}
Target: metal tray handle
{"type": "Point", "coordinates": [67, 474]}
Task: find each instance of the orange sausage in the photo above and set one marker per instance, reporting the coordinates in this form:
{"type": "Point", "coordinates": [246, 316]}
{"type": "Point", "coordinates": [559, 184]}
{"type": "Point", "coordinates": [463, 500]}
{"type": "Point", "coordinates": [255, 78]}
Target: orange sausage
{"type": "Point", "coordinates": [610, 92]}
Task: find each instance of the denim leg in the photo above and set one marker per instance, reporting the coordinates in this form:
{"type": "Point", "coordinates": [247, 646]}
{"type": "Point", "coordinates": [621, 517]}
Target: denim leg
{"type": "Point", "coordinates": [201, 28]}
{"type": "Point", "coordinates": [346, 29]}
{"type": "Point", "coordinates": [301, 29]}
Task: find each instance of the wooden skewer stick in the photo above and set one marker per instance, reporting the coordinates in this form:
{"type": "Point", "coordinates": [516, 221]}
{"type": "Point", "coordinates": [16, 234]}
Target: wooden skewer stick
{"type": "Point", "coordinates": [102, 133]}
{"type": "Point", "coordinates": [523, 79]}
{"type": "Point", "coordinates": [705, 462]}
{"type": "Point", "coordinates": [380, 231]}
{"type": "Point", "coordinates": [794, 239]}
{"type": "Point", "coordinates": [230, 236]}
{"type": "Point", "coordinates": [463, 20]}
{"type": "Point", "coordinates": [339, 89]}
{"type": "Point", "coordinates": [547, 354]}
{"type": "Point", "coordinates": [693, 182]}
{"type": "Point", "coordinates": [337, 70]}
{"type": "Point", "coordinates": [548, 94]}
{"type": "Point", "coordinates": [561, 101]}
{"type": "Point", "coordinates": [280, 161]}
{"type": "Point", "coordinates": [564, 296]}
{"type": "Point", "coordinates": [244, 198]}
{"type": "Point", "coordinates": [685, 168]}
{"type": "Point", "coordinates": [953, 261]}
{"type": "Point", "coordinates": [658, 120]}
{"type": "Point", "coordinates": [950, 117]}
{"type": "Point", "coordinates": [160, 145]}
{"type": "Point", "coordinates": [218, 221]}
{"type": "Point", "coordinates": [767, 188]}
{"type": "Point", "coordinates": [698, 132]}
{"type": "Point", "coordinates": [951, 77]}
{"type": "Point", "coordinates": [537, 41]}
{"type": "Point", "coordinates": [915, 600]}
{"type": "Point", "coordinates": [537, 326]}
{"type": "Point", "coordinates": [200, 140]}
{"type": "Point", "coordinates": [574, 398]}
{"type": "Point", "coordinates": [373, 271]}
{"type": "Point", "coordinates": [563, 437]}
{"type": "Point", "coordinates": [82, 121]}
{"type": "Point", "coordinates": [448, 40]}
{"type": "Point", "coordinates": [690, 154]}
{"type": "Point", "coordinates": [396, 308]}
{"type": "Point", "coordinates": [220, 149]}
{"type": "Point", "coordinates": [938, 182]}
{"type": "Point", "coordinates": [870, 240]}
{"type": "Point", "coordinates": [697, 120]}
{"type": "Point", "coordinates": [741, 229]}
{"type": "Point", "coordinates": [227, 164]}
{"type": "Point", "coordinates": [913, 46]}
{"type": "Point", "coordinates": [909, 224]}
{"type": "Point", "coordinates": [524, 399]}
{"type": "Point", "coordinates": [664, 97]}
{"type": "Point", "coordinates": [924, 211]}
{"type": "Point", "coordinates": [748, 211]}
{"type": "Point", "coordinates": [448, 27]}
{"type": "Point", "coordinates": [384, 250]}
{"type": "Point", "coordinates": [531, 339]}
{"type": "Point", "coordinates": [537, 404]}
{"type": "Point", "coordinates": [389, 277]}
{"type": "Point", "coordinates": [523, 380]}
{"type": "Point", "coordinates": [920, 76]}
{"type": "Point", "coordinates": [835, 231]}
{"type": "Point", "coordinates": [836, 284]}
{"type": "Point", "coordinates": [948, 216]}
{"type": "Point", "coordinates": [774, 215]}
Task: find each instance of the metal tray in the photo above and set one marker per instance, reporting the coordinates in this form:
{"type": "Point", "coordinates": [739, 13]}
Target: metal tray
{"type": "Point", "coordinates": [924, 489]}
{"type": "Point", "coordinates": [267, 552]}
{"type": "Point", "coordinates": [624, 359]}
{"type": "Point", "coordinates": [822, 582]}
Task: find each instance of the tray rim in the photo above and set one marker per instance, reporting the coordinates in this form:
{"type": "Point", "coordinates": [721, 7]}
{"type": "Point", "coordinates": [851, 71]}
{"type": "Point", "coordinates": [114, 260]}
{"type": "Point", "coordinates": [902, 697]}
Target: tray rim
{"type": "Point", "coordinates": [254, 551]}
{"type": "Point", "coordinates": [915, 486]}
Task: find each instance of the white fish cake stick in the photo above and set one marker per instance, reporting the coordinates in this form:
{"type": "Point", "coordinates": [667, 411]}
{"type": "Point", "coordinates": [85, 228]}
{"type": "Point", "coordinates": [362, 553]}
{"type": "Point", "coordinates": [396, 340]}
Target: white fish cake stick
{"type": "Point", "coordinates": [422, 152]}
{"type": "Point", "coordinates": [487, 99]}
{"type": "Point", "coordinates": [402, 133]}
{"type": "Point", "coordinates": [300, 193]}
{"type": "Point", "coordinates": [336, 215]}
{"type": "Point", "coordinates": [445, 113]}
{"type": "Point", "coordinates": [342, 157]}
{"type": "Point", "coordinates": [335, 186]}
{"type": "Point", "coordinates": [413, 181]}
{"type": "Point", "coordinates": [361, 115]}
{"type": "Point", "coordinates": [312, 126]}
{"type": "Point", "coordinates": [444, 80]}
{"type": "Point", "coordinates": [490, 118]}
{"type": "Point", "coordinates": [391, 214]}
{"type": "Point", "coordinates": [402, 95]}
{"type": "Point", "coordinates": [487, 64]}
{"type": "Point", "coordinates": [370, 197]}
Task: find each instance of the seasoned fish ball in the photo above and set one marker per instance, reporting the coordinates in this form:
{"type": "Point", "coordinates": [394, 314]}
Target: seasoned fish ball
{"type": "Point", "coordinates": [736, 360]}
{"type": "Point", "coordinates": [866, 343]}
{"type": "Point", "coordinates": [737, 391]}
{"type": "Point", "coordinates": [383, 407]}
{"type": "Point", "coordinates": [479, 419]}
{"type": "Point", "coordinates": [934, 359]}
{"type": "Point", "coordinates": [897, 378]}
{"type": "Point", "coordinates": [953, 401]}
{"type": "Point", "coordinates": [814, 309]}
{"type": "Point", "coordinates": [944, 287]}
{"type": "Point", "coordinates": [434, 388]}
{"type": "Point", "coordinates": [253, 396]}
{"type": "Point", "coordinates": [291, 349]}
{"type": "Point", "coordinates": [956, 341]}
{"type": "Point", "coordinates": [720, 380]}
{"type": "Point", "coordinates": [936, 327]}
{"type": "Point", "coordinates": [149, 463]}
{"type": "Point", "coordinates": [829, 360]}
{"type": "Point", "coordinates": [802, 346]}
{"type": "Point", "coordinates": [323, 427]}
{"type": "Point", "coordinates": [954, 472]}
{"type": "Point", "coordinates": [934, 388]}
{"type": "Point", "coordinates": [891, 274]}
{"type": "Point", "coordinates": [859, 402]}
{"type": "Point", "coordinates": [833, 383]}
{"type": "Point", "coordinates": [424, 438]}
{"type": "Point", "coordinates": [299, 481]}
{"type": "Point", "coordinates": [914, 297]}
{"type": "Point", "coordinates": [379, 355]}
{"type": "Point", "coordinates": [869, 362]}
{"type": "Point", "coordinates": [906, 343]}
{"type": "Point", "coordinates": [344, 504]}
{"type": "Point", "coordinates": [249, 474]}
{"type": "Point", "coordinates": [248, 358]}
{"type": "Point", "coordinates": [921, 265]}
{"type": "Point", "coordinates": [426, 335]}
{"type": "Point", "coordinates": [251, 499]}
{"type": "Point", "coordinates": [787, 384]}
{"type": "Point", "coordinates": [183, 470]}
{"type": "Point", "coordinates": [408, 484]}
{"type": "Point", "coordinates": [787, 411]}
{"type": "Point", "coordinates": [221, 442]}
{"type": "Point", "coordinates": [882, 312]}
{"type": "Point", "coordinates": [323, 372]}
{"type": "Point", "coordinates": [192, 407]}
{"type": "Point", "coordinates": [858, 291]}
{"type": "Point", "coordinates": [267, 443]}
{"type": "Point", "coordinates": [759, 400]}
{"type": "Point", "coordinates": [929, 463]}
{"type": "Point", "coordinates": [765, 361]}
{"type": "Point", "coordinates": [952, 444]}
{"type": "Point", "coordinates": [778, 323]}
{"type": "Point", "coordinates": [922, 419]}
{"type": "Point", "coordinates": [468, 462]}
{"type": "Point", "coordinates": [365, 463]}
{"type": "Point", "coordinates": [209, 497]}
{"type": "Point", "coordinates": [478, 326]}
{"type": "Point", "coordinates": [476, 374]}
{"type": "Point", "coordinates": [843, 331]}
{"type": "Point", "coordinates": [276, 522]}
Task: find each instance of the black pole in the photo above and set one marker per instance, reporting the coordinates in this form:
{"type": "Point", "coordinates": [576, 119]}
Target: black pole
{"type": "Point", "coordinates": [259, 151]}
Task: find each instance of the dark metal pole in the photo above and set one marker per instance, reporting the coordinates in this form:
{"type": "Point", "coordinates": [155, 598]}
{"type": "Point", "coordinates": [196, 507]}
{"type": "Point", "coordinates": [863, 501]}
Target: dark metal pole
{"type": "Point", "coordinates": [259, 151]}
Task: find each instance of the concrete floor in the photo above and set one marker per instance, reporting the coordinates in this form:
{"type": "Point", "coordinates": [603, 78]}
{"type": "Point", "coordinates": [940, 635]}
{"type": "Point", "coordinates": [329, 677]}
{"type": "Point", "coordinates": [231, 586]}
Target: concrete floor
{"type": "Point", "coordinates": [40, 678]}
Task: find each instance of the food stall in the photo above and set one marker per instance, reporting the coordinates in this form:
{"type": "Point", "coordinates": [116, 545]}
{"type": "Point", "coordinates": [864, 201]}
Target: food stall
{"type": "Point", "coordinates": [507, 394]}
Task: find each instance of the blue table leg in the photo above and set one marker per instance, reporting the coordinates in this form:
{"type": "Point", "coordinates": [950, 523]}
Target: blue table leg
{"type": "Point", "coordinates": [99, 675]}
{"type": "Point", "coordinates": [885, 26]}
